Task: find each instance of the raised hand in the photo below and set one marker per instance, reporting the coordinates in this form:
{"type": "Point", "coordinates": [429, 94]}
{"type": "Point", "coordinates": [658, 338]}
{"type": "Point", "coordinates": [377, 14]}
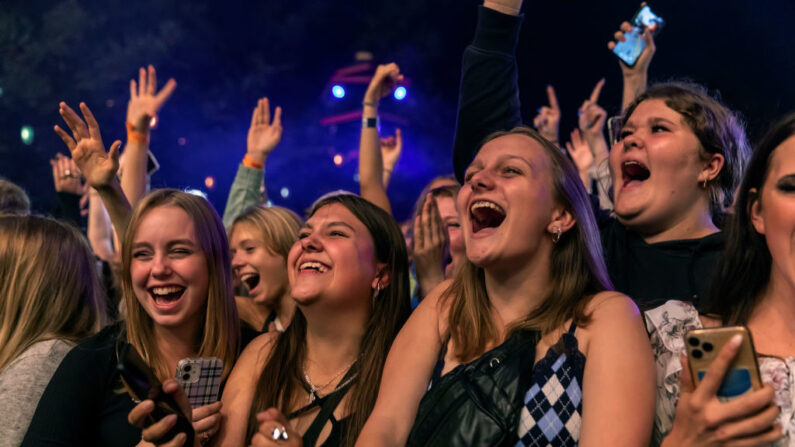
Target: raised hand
{"type": "Point", "coordinates": [385, 80]}
{"type": "Point", "coordinates": [547, 121]}
{"type": "Point", "coordinates": [391, 147]}
{"type": "Point", "coordinates": [275, 431]}
{"type": "Point", "coordinates": [429, 246]}
{"type": "Point", "coordinates": [98, 167]}
{"type": "Point", "coordinates": [592, 117]}
{"type": "Point", "coordinates": [145, 100]}
{"type": "Point", "coordinates": [582, 156]}
{"type": "Point", "coordinates": [642, 64]}
{"type": "Point", "coordinates": [263, 135]}
{"type": "Point", "coordinates": [66, 175]}
{"type": "Point", "coordinates": [139, 416]}
{"type": "Point", "coordinates": [701, 419]}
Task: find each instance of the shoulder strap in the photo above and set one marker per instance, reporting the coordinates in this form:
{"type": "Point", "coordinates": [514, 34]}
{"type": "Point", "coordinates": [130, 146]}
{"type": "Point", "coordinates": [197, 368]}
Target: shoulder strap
{"type": "Point", "coordinates": [573, 327]}
{"type": "Point", "coordinates": [327, 409]}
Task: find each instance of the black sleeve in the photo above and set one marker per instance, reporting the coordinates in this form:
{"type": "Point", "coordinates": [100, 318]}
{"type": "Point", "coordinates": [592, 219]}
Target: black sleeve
{"type": "Point", "coordinates": [68, 208]}
{"type": "Point", "coordinates": [68, 412]}
{"type": "Point", "coordinates": [489, 93]}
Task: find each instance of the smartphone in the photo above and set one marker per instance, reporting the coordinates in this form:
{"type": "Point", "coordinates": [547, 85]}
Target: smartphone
{"type": "Point", "coordinates": [743, 374]}
{"type": "Point", "coordinates": [629, 50]}
{"type": "Point", "coordinates": [200, 378]}
{"type": "Point", "coordinates": [142, 384]}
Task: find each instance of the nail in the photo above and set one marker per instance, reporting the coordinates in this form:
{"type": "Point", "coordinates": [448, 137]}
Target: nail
{"type": "Point", "coordinates": [735, 341]}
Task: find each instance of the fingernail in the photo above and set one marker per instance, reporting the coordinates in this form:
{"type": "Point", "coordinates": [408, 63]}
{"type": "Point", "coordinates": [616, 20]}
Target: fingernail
{"type": "Point", "coordinates": [735, 341]}
{"type": "Point", "coordinates": [171, 418]}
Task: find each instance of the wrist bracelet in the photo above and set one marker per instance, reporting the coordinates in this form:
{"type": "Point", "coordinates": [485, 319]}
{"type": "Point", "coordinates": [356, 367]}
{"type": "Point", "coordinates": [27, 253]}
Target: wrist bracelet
{"type": "Point", "coordinates": [251, 163]}
{"type": "Point", "coordinates": [136, 136]}
{"type": "Point", "coordinates": [370, 123]}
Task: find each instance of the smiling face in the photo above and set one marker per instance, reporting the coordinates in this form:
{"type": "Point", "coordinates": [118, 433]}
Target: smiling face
{"type": "Point", "coordinates": [263, 272]}
{"type": "Point", "coordinates": [773, 214]}
{"type": "Point", "coordinates": [168, 269]}
{"type": "Point", "coordinates": [506, 201]}
{"type": "Point", "coordinates": [333, 261]}
{"type": "Point", "coordinates": [452, 226]}
{"type": "Point", "coordinates": [656, 170]}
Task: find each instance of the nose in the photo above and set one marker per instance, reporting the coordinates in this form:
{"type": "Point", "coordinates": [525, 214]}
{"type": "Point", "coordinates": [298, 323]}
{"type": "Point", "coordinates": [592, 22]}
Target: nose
{"type": "Point", "coordinates": [161, 266]}
{"type": "Point", "coordinates": [482, 180]}
{"type": "Point", "coordinates": [237, 259]}
{"type": "Point", "coordinates": [311, 243]}
{"type": "Point", "coordinates": [632, 141]}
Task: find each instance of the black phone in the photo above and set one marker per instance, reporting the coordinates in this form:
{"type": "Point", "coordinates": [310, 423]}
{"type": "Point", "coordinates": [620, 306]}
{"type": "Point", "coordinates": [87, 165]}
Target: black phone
{"type": "Point", "coordinates": [142, 384]}
{"type": "Point", "coordinates": [629, 50]}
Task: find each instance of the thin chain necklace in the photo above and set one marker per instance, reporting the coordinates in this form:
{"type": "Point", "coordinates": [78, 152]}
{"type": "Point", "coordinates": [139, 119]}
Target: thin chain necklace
{"type": "Point", "coordinates": [313, 389]}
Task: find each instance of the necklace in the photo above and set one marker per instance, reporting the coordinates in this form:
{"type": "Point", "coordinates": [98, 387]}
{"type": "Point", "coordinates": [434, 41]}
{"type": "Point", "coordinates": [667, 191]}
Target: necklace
{"type": "Point", "coordinates": [313, 389]}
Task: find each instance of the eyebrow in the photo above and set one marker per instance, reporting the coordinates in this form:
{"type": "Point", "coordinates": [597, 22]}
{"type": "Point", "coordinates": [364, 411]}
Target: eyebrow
{"type": "Point", "coordinates": [331, 224]}
{"type": "Point", "coordinates": [657, 119]}
{"type": "Point", "coordinates": [170, 243]}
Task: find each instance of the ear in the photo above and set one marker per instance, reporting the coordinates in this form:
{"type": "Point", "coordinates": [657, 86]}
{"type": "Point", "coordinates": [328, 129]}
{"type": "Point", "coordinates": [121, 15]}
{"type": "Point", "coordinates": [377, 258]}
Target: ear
{"type": "Point", "coordinates": [561, 218]}
{"type": "Point", "coordinates": [711, 168]}
{"type": "Point", "coordinates": [755, 211]}
{"type": "Point", "coordinates": [381, 277]}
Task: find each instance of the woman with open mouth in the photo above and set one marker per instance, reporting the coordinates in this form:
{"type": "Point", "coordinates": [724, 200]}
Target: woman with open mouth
{"type": "Point", "coordinates": [177, 293]}
{"type": "Point", "coordinates": [675, 165]}
{"type": "Point", "coordinates": [527, 345]}
{"type": "Point", "coordinates": [261, 239]}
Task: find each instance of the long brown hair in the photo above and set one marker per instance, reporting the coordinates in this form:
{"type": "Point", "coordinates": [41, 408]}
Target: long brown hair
{"type": "Point", "coordinates": [49, 287]}
{"type": "Point", "coordinates": [281, 380]}
{"type": "Point", "coordinates": [221, 327]}
{"type": "Point", "coordinates": [577, 269]}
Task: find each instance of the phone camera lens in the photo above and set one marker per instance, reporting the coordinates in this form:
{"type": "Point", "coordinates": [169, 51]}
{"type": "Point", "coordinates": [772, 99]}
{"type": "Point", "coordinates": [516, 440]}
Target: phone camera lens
{"type": "Point", "coordinates": [186, 368]}
{"type": "Point", "coordinates": [697, 354]}
{"type": "Point", "coordinates": [185, 376]}
{"type": "Point", "coordinates": [707, 346]}
{"type": "Point", "coordinates": [693, 341]}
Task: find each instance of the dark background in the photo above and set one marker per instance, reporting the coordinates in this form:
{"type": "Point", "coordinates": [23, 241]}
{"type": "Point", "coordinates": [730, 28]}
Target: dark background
{"type": "Point", "coordinates": [225, 55]}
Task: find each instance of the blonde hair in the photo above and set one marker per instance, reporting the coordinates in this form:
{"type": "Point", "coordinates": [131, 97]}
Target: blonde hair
{"type": "Point", "coordinates": [221, 327]}
{"type": "Point", "coordinates": [577, 268]}
{"type": "Point", "coordinates": [277, 227]}
{"type": "Point", "coordinates": [48, 285]}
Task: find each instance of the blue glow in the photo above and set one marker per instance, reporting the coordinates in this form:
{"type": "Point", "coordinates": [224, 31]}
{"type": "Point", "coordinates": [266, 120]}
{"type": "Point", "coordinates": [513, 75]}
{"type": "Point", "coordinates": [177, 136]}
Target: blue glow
{"type": "Point", "coordinates": [400, 93]}
{"type": "Point", "coordinates": [285, 192]}
{"type": "Point", "coordinates": [338, 91]}
{"type": "Point", "coordinates": [26, 134]}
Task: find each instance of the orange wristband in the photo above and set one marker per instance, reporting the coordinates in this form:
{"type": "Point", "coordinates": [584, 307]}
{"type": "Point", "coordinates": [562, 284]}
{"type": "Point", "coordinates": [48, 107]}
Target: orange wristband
{"type": "Point", "coordinates": [251, 163]}
{"type": "Point", "coordinates": [136, 136]}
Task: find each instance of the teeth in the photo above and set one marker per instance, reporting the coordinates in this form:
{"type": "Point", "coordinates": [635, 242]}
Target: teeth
{"type": "Point", "coordinates": [313, 265]}
{"type": "Point", "coordinates": [485, 204]}
{"type": "Point", "coordinates": [165, 290]}
{"type": "Point", "coordinates": [246, 276]}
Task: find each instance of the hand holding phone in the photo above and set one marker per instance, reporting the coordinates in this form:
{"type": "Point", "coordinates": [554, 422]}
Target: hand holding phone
{"type": "Point", "coordinates": [631, 41]}
{"type": "Point", "coordinates": [200, 377]}
{"type": "Point", "coordinates": [142, 384]}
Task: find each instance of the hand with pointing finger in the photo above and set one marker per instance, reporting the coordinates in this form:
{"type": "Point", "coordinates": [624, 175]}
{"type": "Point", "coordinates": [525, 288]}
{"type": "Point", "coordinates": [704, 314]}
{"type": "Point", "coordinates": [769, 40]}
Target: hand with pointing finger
{"type": "Point", "coordinates": [547, 121]}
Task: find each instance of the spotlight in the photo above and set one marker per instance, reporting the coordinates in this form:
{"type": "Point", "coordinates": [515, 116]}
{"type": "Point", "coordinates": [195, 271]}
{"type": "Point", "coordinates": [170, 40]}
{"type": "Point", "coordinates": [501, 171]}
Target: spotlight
{"type": "Point", "coordinates": [338, 91]}
{"type": "Point", "coordinates": [400, 93]}
{"type": "Point", "coordinates": [338, 160]}
{"type": "Point", "coordinates": [285, 192]}
{"type": "Point", "coordinates": [26, 134]}
{"type": "Point", "coordinates": [209, 182]}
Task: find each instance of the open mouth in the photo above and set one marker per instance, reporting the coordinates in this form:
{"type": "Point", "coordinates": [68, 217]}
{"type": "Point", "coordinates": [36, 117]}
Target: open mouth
{"type": "Point", "coordinates": [313, 266]}
{"type": "Point", "coordinates": [485, 214]}
{"type": "Point", "coordinates": [166, 295]}
{"type": "Point", "coordinates": [251, 280]}
{"type": "Point", "coordinates": [634, 171]}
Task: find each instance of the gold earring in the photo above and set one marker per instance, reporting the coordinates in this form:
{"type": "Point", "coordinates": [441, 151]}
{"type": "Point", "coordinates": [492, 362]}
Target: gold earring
{"type": "Point", "coordinates": [704, 184]}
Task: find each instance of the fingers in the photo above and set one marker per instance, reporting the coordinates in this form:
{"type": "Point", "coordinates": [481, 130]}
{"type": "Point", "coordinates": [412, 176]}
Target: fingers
{"type": "Point", "coordinates": [151, 81]}
{"type": "Point", "coordinates": [141, 81]}
{"type": "Point", "coordinates": [398, 137]}
{"type": "Point", "coordinates": [133, 89]}
{"type": "Point", "coordinates": [625, 27]}
{"type": "Point", "coordinates": [206, 411]}
{"type": "Point", "coordinates": [618, 36]}
{"type": "Point", "coordinates": [265, 113]}
{"type": "Point", "coordinates": [277, 117]}
{"type": "Point", "coordinates": [171, 386]}
{"type": "Point", "coordinates": [166, 91]}
{"type": "Point", "coordinates": [764, 438]}
{"type": "Point", "coordinates": [713, 377]}
{"type": "Point", "coordinates": [648, 39]}
{"type": "Point", "coordinates": [75, 123]}
{"type": "Point", "coordinates": [156, 431]}
{"type": "Point", "coordinates": [419, 237]}
{"type": "Point", "coordinates": [70, 142]}
{"type": "Point", "coordinates": [748, 426]}
{"type": "Point", "coordinates": [137, 416]}
{"type": "Point", "coordinates": [113, 152]}
{"type": "Point", "coordinates": [435, 224]}
{"type": "Point", "coordinates": [272, 414]}
{"type": "Point", "coordinates": [93, 127]}
{"type": "Point", "coordinates": [255, 114]}
{"type": "Point", "coordinates": [576, 137]}
{"type": "Point", "coordinates": [747, 404]}
{"type": "Point", "coordinates": [553, 100]}
{"type": "Point", "coordinates": [597, 91]}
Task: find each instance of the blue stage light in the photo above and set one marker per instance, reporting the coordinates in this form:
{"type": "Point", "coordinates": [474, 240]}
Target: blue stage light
{"type": "Point", "coordinates": [26, 134]}
{"type": "Point", "coordinates": [338, 91]}
{"type": "Point", "coordinates": [285, 192]}
{"type": "Point", "coordinates": [400, 93]}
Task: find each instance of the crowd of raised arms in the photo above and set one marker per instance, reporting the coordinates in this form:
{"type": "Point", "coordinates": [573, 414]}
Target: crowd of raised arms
{"type": "Point", "coordinates": [541, 294]}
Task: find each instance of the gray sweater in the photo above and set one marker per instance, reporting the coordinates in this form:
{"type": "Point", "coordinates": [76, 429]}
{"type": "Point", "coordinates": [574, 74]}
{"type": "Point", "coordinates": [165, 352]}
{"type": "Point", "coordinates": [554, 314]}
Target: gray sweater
{"type": "Point", "coordinates": [21, 386]}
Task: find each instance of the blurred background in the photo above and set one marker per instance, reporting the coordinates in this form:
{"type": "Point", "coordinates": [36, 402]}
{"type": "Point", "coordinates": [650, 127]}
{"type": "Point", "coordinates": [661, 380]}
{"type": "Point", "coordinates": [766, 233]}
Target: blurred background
{"type": "Point", "coordinates": [225, 55]}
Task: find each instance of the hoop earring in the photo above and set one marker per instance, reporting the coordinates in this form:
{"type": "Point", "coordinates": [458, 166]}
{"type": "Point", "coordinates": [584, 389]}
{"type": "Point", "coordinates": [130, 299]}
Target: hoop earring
{"type": "Point", "coordinates": [376, 292]}
{"type": "Point", "coordinates": [556, 236]}
{"type": "Point", "coordinates": [704, 184]}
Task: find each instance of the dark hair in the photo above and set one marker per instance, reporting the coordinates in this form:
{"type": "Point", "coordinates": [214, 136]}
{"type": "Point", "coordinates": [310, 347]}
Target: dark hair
{"type": "Point", "coordinates": [744, 269]}
{"type": "Point", "coordinates": [281, 379]}
{"type": "Point", "coordinates": [719, 131]}
{"type": "Point", "coordinates": [577, 268]}
{"type": "Point", "coordinates": [13, 199]}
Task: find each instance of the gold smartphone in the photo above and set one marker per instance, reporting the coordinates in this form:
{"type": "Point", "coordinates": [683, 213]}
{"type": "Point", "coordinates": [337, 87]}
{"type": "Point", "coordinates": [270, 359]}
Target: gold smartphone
{"type": "Point", "coordinates": [742, 377]}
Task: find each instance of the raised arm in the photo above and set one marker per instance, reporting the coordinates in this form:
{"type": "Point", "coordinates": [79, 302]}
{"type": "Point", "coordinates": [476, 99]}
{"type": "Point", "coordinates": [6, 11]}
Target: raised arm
{"type": "Point", "coordinates": [98, 167]}
{"type": "Point", "coordinates": [636, 77]}
{"type": "Point", "coordinates": [391, 148]}
{"type": "Point", "coordinates": [407, 371]}
{"type": "Point", "coordinates": [145, 102]}
{"type": "Point", "coordinates": [371, 176]}
{"type": "Point", "coordinates": [264, 135]}
{"type": "Point", "coordinates": [489, 93]}
{"type": "Point", "coordinates": [547, 122]}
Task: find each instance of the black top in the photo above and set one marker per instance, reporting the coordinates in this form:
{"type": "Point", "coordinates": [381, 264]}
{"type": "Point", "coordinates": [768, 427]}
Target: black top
{"type": "Point", "coordinates": [489, 101]}
{"type": "Point", "coordinates": [85, 403]}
